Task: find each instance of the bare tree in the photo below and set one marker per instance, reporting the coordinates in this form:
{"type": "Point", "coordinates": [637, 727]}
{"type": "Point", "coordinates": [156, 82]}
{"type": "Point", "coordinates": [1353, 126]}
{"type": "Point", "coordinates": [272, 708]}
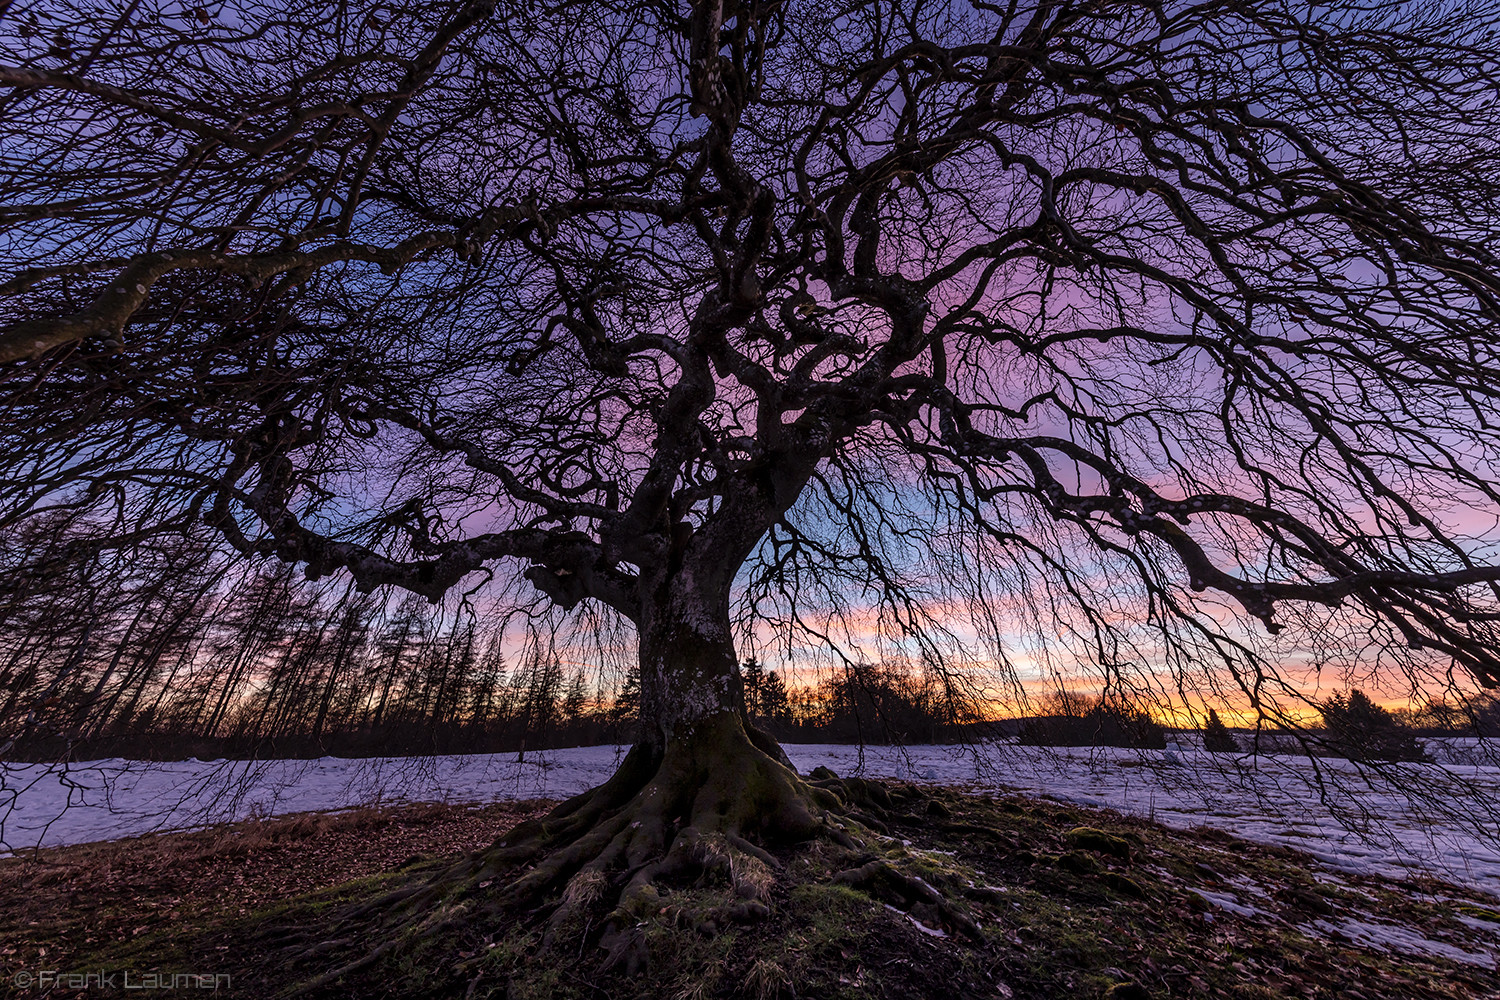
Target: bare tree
{"type": "Point", "coordinates": [1138, 324]}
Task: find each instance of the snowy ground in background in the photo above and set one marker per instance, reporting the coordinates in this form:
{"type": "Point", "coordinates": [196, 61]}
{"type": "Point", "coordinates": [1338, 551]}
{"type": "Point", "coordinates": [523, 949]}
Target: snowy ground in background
{"type": "Point", "coordinates": [1323, 807]}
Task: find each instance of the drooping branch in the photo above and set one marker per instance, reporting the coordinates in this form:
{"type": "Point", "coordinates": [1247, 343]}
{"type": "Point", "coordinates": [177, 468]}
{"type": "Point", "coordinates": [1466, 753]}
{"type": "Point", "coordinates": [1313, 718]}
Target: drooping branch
{"type": "Point", "coordinates": [1136, 509]}
{"type": "Point", "coordinates": [449, 289]}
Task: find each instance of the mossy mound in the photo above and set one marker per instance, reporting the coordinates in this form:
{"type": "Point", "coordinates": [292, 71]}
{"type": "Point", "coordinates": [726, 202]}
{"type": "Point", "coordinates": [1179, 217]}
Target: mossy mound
{"type": "Point", "coordinates": [1087, 838]}
{"type": "Point", "coordinates": [1480, 913]}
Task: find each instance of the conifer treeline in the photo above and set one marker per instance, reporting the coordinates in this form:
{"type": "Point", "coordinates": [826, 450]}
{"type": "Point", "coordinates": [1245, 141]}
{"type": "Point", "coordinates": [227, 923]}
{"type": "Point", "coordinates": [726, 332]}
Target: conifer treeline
{"type": "Point", "coordinates": [169, 650]}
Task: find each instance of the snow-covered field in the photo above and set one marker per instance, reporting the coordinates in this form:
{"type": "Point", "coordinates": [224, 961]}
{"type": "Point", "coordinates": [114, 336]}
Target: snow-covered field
{"type": "Point", "coordinates": [1441, 818]}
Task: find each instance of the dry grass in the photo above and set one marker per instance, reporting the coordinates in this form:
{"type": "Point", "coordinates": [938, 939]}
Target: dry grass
{"type": "Point", "coordinates": [753, 878]}
{"type": "Point", "coordinates": [698, 990]}
{"type": "Point", "coordinates": [585, 889]}
{"type": "Point", "coordinates": [766, 979]}
{"type": "Point", "coordinates": [328, 846]}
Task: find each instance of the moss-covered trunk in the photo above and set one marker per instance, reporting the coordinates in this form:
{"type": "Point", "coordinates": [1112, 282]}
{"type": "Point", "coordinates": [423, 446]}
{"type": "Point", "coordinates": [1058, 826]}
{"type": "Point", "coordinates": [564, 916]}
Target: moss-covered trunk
{"type": "Point", "coordinates": [689, 671]}
{"type": "Point", "coordinates": [698, 768]}
{"type": "Point", "coordinates": [690, 678]}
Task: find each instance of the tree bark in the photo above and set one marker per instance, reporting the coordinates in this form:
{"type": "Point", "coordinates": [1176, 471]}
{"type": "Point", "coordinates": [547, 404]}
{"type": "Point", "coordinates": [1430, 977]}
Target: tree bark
{"type": "Point", "coordinates": [689, 672]}
{"type": "Point", "coordinates": [690, 675]}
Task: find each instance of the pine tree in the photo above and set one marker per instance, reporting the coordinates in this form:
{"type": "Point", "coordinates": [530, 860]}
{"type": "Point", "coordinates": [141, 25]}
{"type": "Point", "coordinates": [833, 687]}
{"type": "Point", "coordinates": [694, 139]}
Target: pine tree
{"type": "Point", "coordinates": [1359, 729]}
{"type": "Point", "coordinates": [775, 707]}
{"type": "Point", "coordinates": [574, 700]}
{"type": "Point", "coordinates": [753, 678]}
{"type": "Point", "coordinates": [1216, 736]}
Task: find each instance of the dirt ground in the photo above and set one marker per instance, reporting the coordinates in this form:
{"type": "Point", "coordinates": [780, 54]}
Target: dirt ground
{"type": "Point", "coordinates": [1070, 903]}
{"type": "Point", "coordinates": [60, 906]}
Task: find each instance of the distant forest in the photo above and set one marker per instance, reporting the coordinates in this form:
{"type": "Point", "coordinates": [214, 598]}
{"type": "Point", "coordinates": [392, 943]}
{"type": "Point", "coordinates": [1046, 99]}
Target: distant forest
{"type": "Point", "coordinates": [168, 650]}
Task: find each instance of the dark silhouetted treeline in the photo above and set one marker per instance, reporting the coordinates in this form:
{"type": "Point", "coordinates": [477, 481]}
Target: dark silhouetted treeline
{"type": "Point", "coordinates": [1071, 719]}
{"type": "Point", "coordinates": [1359, 729]}
{"type": "Point", "coordinates": [869, 703]}
{"type": "Point", "coordinates": [166, 651]}
{"type": "Point", "coordinates": [169, 650]}
{"type": "Point", "coordinates": [1478, 715]}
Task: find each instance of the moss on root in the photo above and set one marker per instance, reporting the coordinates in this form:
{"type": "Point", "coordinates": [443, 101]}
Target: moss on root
{"type": "Point", "coordinates": [702, 811]}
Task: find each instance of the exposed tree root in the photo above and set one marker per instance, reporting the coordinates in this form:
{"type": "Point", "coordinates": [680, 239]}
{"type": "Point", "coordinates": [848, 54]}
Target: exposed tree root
{"type": "Point", "coordinates": [704, 813]}
{"type": "Point", "coordinates": [884, 880]}
{"type": "Point", "coordinates": [702, 810]}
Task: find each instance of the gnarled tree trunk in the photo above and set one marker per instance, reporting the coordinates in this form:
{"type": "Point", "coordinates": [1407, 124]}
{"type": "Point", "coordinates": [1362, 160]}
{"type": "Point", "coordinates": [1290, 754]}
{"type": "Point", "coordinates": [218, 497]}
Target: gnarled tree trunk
{"type": "Point", "coordinates": [702, 792]}
{"type": "Point", "coordinates": [699, 771]}
{"type": "Point", "coordinates": [690, 678]}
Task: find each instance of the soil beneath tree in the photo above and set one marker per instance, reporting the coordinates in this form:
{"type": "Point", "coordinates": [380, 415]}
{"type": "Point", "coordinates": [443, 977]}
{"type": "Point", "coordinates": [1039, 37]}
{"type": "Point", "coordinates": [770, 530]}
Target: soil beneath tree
{"type": "Point", "coordinates": [1056, 901]}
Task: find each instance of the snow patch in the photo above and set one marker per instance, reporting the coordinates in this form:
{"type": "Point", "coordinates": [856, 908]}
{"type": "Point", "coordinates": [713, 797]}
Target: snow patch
{"type": "Point", "coordinates": [1231, 904]}
{"type": "Point", "coordinates": [929, 931]}
{"type": "Point", "coordinates": [1275, 800]}
{"type": "Point", "coordinates": [1389, 937]}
